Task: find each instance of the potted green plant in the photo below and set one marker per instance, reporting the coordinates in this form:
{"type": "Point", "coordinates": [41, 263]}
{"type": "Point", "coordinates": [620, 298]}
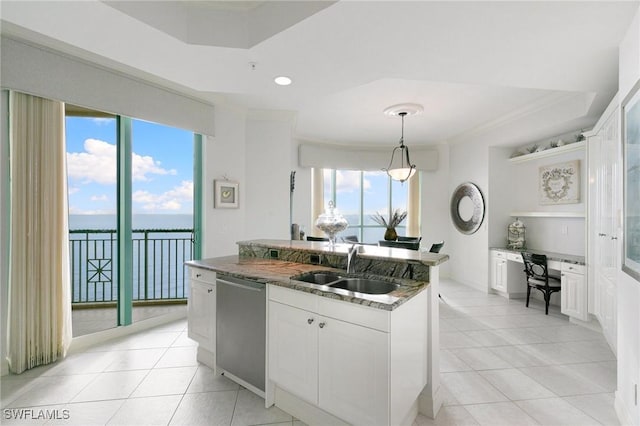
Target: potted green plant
{"type": "Point", "coordinates": [390, 223]}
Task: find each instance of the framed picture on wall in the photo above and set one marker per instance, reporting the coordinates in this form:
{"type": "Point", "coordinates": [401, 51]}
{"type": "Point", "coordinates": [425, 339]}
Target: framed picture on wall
{"type": "Point", "coordinates": [560, 183]}
{"type": "Point", "coordinates": [631, 181]}
{"type": "Point", "coordinates": [225, 194]}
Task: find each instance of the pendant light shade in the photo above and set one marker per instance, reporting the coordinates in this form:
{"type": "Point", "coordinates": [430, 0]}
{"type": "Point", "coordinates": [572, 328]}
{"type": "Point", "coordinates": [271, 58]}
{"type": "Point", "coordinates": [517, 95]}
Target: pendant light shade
{"type": "Point", "coordinates": [400, 167]}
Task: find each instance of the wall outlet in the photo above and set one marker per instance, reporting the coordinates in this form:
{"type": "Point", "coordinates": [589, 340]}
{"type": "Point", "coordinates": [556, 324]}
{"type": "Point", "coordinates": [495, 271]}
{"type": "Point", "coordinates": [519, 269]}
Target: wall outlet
{"type": "Point", "coordinates": [273, 254]}
{"type": "Point", "coordinates": [314, 259]}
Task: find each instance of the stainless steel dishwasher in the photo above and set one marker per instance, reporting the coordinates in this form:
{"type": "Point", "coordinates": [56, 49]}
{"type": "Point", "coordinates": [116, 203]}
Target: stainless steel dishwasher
{"type": "Point", "coordinates": [241, 329]}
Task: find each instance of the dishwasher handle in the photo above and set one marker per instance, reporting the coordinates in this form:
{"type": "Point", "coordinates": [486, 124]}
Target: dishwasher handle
{"type": "Point", "coordinates": [244, 284]}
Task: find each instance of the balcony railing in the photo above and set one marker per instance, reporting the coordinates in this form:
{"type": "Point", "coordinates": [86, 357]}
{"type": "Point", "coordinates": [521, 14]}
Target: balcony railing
{"type": "Point", "coordinates": [158, 264]}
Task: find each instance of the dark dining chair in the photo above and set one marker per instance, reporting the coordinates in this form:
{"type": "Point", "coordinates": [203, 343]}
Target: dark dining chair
{"type": "Point", "coordinates": [435, 247]}
{"type": "Point", "coordinates": [537, 271]}
{"type": "Point", "coordinates": [350, 239]}
{"type": "Point", "coordinates": [409, 245]}
{"type": "Point", "coordinates": [310, 238]}
{"type": "Point", "coordinates": [418, 239]}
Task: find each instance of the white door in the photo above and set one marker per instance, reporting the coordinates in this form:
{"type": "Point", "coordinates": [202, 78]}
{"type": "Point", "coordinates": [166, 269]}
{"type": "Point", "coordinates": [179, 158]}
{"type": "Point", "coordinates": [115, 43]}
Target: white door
{"type": "Point", "coordinates": [293, 350]}
{"type": "Point", "coordinates": [354, 372]}
{"type": "Point", "coordinates": [605, 230]}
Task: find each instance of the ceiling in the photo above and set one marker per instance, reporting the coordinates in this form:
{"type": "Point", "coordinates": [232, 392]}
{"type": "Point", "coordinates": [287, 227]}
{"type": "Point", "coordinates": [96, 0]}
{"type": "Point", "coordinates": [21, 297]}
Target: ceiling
{"type": "Point", "coordinates": [504, 72]}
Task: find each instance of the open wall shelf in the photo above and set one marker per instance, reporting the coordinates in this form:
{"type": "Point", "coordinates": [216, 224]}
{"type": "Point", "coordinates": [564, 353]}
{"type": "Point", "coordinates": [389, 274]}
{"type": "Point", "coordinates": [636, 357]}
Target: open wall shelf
{"type": "Point", "coordinates": [549, 152]}
{"type": "Point", "coordinates": [547, 214]}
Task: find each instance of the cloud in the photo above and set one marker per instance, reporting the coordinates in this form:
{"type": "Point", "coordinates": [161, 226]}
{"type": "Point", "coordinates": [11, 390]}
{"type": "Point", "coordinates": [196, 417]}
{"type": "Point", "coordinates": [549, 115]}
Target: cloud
{"type": "Point", "coordinates": [167, 201]}
{"type": "Point", "coordinates": [349, 181]}
{"type": "Point", "coordinates": [102, 197]}
{"type": "Point", "coordinates": [102, 121]}
{"type": "Point", "coordinates": [73, 190]}
{"type": "Point", "coordinates": [98, 164]}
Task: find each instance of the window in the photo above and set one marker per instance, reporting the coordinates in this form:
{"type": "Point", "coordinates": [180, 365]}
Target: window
{"type": "Point", "coordinates": [360, 194]}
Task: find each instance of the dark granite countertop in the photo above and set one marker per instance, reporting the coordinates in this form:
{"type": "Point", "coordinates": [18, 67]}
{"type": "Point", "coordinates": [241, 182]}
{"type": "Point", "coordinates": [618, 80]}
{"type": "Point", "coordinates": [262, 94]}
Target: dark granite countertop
{"type": "Point", "coordinates": [279, 272]}
{"type": "Point", "coordinates": [365, 251]}
{"type": "Point", "coordinates": [559, 257]}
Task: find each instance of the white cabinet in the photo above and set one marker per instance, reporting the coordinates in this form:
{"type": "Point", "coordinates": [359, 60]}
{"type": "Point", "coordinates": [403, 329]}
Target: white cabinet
{"type": "Point", "coordinates": [573, 296]}
{"type": "Point", "coordinates": [498, 271]}
{"type": "Point", "coordinates": [353, 371]}
{"type": "Point", "coordinates": [293, 350]}
{"type": "Point", "coordinates": [341, 357]}
{"type": "Point", "coordinates": [507, 274]}
{"type": "Point", "coordinates": [201, 317]}
{"type": "Point", "coordinates": [341, 367]}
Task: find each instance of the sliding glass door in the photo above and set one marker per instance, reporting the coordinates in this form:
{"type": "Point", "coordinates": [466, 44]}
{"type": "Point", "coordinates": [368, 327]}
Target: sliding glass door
{"type": "Point", "coordinates": [131, 205]}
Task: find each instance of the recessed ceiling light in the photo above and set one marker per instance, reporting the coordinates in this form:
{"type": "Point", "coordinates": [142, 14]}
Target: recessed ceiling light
{"type": "Point", "coordinates": [282, 80]}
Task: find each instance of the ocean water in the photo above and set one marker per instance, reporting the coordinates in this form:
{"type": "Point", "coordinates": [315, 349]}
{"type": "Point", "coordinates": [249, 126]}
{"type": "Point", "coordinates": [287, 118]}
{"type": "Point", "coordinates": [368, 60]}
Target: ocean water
{"type": "Point", "coordinates": [139, 221]}
{"type": "Point", "coordinates": [158, 256]}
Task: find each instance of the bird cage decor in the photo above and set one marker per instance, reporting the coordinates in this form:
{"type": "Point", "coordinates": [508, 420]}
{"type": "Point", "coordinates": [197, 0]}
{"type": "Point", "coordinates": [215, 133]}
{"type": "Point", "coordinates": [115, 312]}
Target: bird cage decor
{"type": "Point", "coordinates": [515, 235]}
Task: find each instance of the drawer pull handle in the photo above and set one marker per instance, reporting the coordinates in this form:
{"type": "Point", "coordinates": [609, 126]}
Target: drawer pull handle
{"type": "Point", "coordinates": [322, 324]}
{"type": "Point", "coordinates": [209, 290]}
{"type": "Point", "coordinates": [310, 321]}
{"type": "Point", "coordinates": [614, 238]}
{"type": "Point", "coordinates": [198, 275]}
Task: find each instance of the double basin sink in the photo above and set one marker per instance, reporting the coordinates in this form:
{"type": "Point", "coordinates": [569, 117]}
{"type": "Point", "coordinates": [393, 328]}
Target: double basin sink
{"type": "Point", "coordinates": [354, 284]}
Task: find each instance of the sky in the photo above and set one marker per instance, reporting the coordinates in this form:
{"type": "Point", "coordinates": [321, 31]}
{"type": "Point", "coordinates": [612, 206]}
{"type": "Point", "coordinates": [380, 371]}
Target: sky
{"type": "Point", "coordinates": [162, 167]}
{"type": "Point", "coordinates": [375, 194]}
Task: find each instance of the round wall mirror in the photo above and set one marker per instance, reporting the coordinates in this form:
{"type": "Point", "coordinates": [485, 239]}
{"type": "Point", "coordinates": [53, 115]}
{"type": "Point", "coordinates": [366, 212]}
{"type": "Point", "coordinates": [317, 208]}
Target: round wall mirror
{"type": "Point", "coordinates": [467, 208]}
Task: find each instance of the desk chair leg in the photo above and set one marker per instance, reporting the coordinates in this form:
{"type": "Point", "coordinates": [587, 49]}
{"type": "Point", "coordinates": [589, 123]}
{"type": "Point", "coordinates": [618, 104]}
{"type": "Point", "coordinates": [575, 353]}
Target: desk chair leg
{"type": "Point", "coordinates": [547, 297]}
{"type": "Point", "coordinates": [528, 294]}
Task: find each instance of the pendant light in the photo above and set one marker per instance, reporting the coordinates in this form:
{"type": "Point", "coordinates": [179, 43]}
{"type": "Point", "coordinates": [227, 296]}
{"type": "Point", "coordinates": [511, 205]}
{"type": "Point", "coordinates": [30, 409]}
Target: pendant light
{"type": "Point", "coordinates": [400, 167]}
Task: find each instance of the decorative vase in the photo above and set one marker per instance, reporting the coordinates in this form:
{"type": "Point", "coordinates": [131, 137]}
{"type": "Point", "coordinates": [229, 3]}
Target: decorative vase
{"type": "Point", "coordinates": [516, 235]}
{"type": "Point", "coordinates": [331, 222]}
{"type": "Point", "coordinates": [390, 234]}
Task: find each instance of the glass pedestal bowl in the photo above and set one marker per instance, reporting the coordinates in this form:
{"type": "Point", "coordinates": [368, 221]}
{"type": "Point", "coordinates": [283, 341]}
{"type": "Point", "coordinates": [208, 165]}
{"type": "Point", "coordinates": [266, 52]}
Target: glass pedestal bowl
{"type": "Point", "coordinates": [331, 222]}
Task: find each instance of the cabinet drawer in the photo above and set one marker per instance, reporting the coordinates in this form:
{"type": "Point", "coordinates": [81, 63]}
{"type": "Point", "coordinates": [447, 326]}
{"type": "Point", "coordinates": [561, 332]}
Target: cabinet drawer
{"type": "Point", "coordinates": [202, 275]}
{"type": "Point", "coordinates": [377, 319]}
{"type": "Point", "coordinates": [295, 298]}
{"type": "Point", "coordinates": [498, 254]}
{"type": "Point", "coordinates": [572, 267]}
{"type": "Point", "coordinates": [514, 257]}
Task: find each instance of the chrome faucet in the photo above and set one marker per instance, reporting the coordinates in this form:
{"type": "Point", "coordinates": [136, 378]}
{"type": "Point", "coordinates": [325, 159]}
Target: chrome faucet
{"type": "Point", "coordinates": [351, 256]}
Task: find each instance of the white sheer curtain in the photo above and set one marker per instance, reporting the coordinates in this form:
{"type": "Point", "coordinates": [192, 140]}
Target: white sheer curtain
{"type": "Point", "coordinates": [39, 286]}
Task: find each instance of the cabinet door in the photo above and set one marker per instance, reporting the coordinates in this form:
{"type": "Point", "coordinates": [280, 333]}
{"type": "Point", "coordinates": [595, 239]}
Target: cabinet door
{"type": "Point", "coordinates": [573, 296]}
{"type": "Point", "coordinates": [202, 314]}
{"type": "Point", "coordinates": [293, 350]}
{"type": "Point", "coordinates": [499, 274]}
{"type": "Point", "coordinates": [353, 372]}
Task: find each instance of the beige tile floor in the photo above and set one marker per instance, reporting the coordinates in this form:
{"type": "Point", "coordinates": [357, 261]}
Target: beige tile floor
{"type": "Point", "coordinates": [501, 364]}
{"type": "Point", "coordinates": [87, 321]}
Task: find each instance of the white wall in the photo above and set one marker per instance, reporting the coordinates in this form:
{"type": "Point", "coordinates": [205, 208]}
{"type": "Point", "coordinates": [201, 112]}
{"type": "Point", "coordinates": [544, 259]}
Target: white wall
{"type": "Point", "coordinates": [561, 235]}
{"type": "Point", "coordinates": [269, 165]}
{"type": "Point", "coordinates": [469, 162]}
{"type": "Point", "coordinates": [434, 210]}
{"type": "Point", "coordinates": [629, 289]}
{"type": "Point", "coordinates": [255, 149]}
{"type": "Point", "coordinates": [224, 157]}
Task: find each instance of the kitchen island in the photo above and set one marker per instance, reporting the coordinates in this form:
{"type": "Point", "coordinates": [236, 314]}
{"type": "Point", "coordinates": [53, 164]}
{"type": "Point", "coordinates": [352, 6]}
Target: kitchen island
{"type": "Point", "coordinates": [334, 355]}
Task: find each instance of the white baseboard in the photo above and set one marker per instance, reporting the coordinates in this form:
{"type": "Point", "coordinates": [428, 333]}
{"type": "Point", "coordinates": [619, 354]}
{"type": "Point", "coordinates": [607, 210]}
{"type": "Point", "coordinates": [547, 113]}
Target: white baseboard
{"type": "Point", "coordinates": [308, 413]}
{"type": "Point", "coordinates": [624, 415]}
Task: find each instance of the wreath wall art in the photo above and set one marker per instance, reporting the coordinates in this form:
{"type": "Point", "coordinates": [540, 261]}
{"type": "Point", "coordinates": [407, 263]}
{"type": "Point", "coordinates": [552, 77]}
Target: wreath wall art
{"type": "Point", "coordinates": [560, 183]}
